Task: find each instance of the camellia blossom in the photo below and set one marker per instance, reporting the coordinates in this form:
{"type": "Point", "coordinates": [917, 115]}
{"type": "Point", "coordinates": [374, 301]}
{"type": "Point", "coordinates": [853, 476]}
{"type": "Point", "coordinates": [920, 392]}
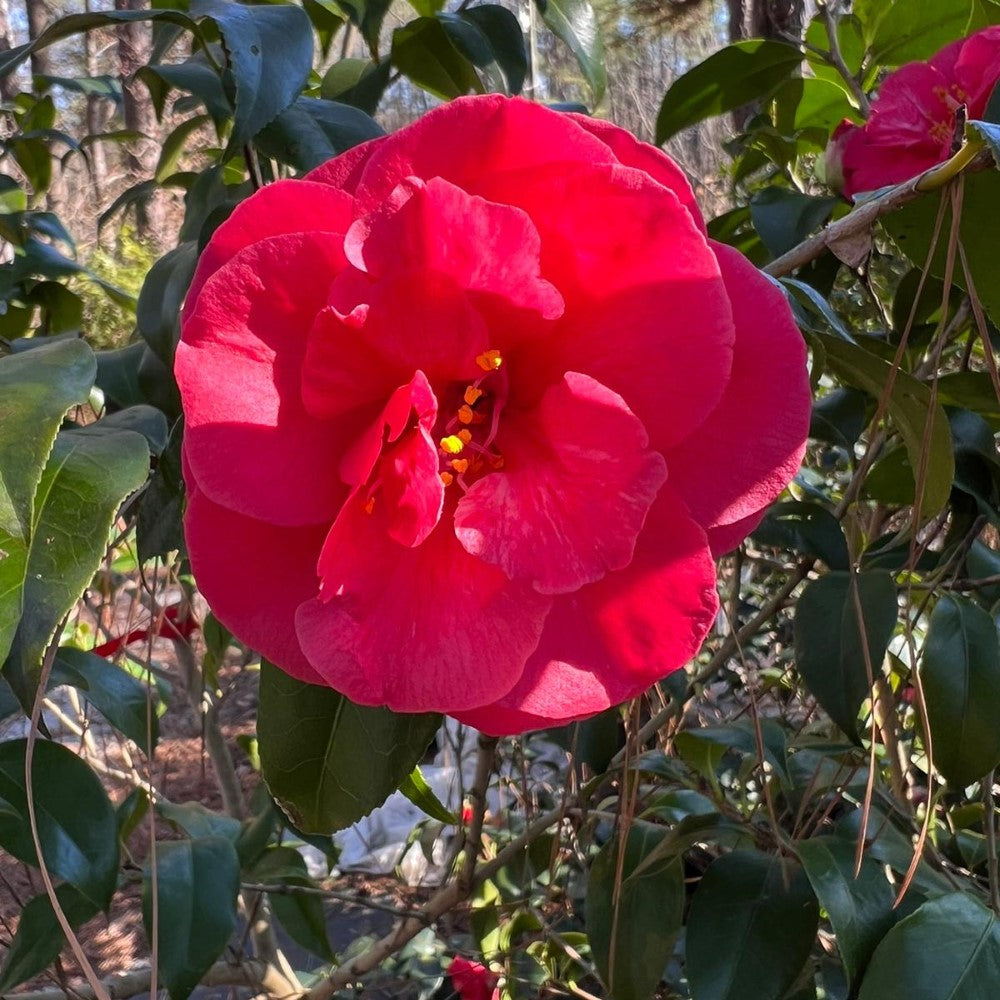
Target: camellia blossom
{"type": "Point", "coordinates": [472, 981]}
{"type": "Point", "coordinates": [913, 120]}
{"type": "Point", "coordinates": [470, 408]}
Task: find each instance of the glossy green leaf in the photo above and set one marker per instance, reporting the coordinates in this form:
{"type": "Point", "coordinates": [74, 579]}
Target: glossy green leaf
{"type": "Point", "coordinates": [159, 308]}
{"type": "Point", "coordinates": [269, 49]}
{"type": "Point", "coordinates": [37, 387]}
{"type": "Point", "coordinates": [327, 761]}
{"type": "Point", "coordinates": [424, 51]}
{"type": "Point", "coordinates": [860, 908]}
{"type": "Point", "coordinates": [197, 884]}
{"type": "Point", "coordinates": [198, 821]}
{"type": "Point", "coordinates": [76, 822]}
{"type": "Point", "coordinates": [39, 937]}
{"type": "Point", "coordinates": [301, 914]}
{"type": "Point", "coordinates": [805, 528]}
{"type": "Point", "coordinates": [948, 949]}
{"type": "Point", "coordinates": [121, 698]}
{"type": "Point", "coordinates": [960, 670]}
{"type": "Point", "coordinates": [414, 786]}
{"type": "Point", "coordinates": [88, 474]}
{"type": "Point", "coordinates": [784, 218]}
{"type": "Point", "coordinates": [911, 408]}
{"type": "Point", "coordinates": [828, 639]}
{"type": "Point", "coordinates": [368, 15]}
{"type": "Point", "coordinates": [750, 928]}
{"type": "Point", "coordinates": [575, 22]}
{"type": "Point", "coordinates": [502, 31]}
{"type": "Point", "coordinates": [901, 31]}
{"type": "Point", "coordinates": [159, 528]}
{"type": "Point", "coordinates": [727, 79]}
{"type": "Point", "coordinates": [632, 923]}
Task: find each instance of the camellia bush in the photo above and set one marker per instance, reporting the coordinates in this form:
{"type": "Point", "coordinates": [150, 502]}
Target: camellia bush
{"type": "Point", "coordinates": [478, 431]}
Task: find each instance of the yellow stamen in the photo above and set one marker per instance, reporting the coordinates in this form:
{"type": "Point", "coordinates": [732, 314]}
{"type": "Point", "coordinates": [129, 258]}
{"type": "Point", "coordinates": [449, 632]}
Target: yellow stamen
{"type": "Point", "coordinates": [452, 444]}
{"type": "Point", "coordinates": [460, 465]}
{"type": "Point", "coordinates": [465, 415]}
{"type": "Point", "coordinates": [447, 478]}
{"type": "Point", "coordinates": [464, 435]}
{"type": "Point", "coordinates": [472, 395]}
{"type": "Point", "coordinates": [489, 360]}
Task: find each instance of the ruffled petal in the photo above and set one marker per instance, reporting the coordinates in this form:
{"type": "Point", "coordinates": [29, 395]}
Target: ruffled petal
{"type": "Point", "coordinates": [976, 68]}
{"type": "Point", "coordinates": [254, 576]}
{"type": "Point", "coordinates": [578, 481]}
{"type": "Point", "coordinates": [250, 443]}
{"type": "Point", "coordinates": [646, 309]}
{"type": "Point", "coordinates": [651, 160]}
{"type": "Point", "coordinates": [429, 628]}
{"type": "Point", "coordinates": [609, 642]}
{"type": "Point", "coordinates": [746, 452]}
{"type": "Point", "coordinates": [344, 171]}
{"type": "Point", "coordinates": [282, 207]}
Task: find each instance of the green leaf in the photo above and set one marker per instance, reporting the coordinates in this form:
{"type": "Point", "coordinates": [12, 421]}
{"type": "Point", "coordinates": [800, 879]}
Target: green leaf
{"type": "Point", "coordinates": [269, 50]}
{"type": "Point", "coordinates": [37, 387]}
{"type": "Point", "coordinates": [750, 928]}
{"type": "Point", "coordinates": [907, 30]}
{"type": "Point", "coordinates": [806, 528]}
{"type": "Point", "coordinates": [948, 949]}
{"type": "Point", "coordinates": [414, 786]}
{"type": "Point", "coordinates": [632, 924]}
{"type": "Point", "coordinates": [502, 30]}
{"type": "Point", "coordinates": [76, 822]}
{"type": "Point", "coordinates": [159, 528]}
{"type": "Point", "coordinates": [327, 761]}
{"type": "Point", "coordinates": [575, 22]}
{"type": "Point", "coordinates": [39, 937]}
{"type": "Point", "coordinates": [197, 884]}
{"type": "Point", "coordinates": [368, 15]}
{"type": "Point", "coordinates": [828, 647]}
{"type": "Point", "coordinates": [158, 310]}
{"type": "Point", "coordinates": [358, 82]}
{"type": "Point", "coordinates": [860, 909]}
{"type": "Point", "coordinates": [89, 472]}
{"type": "Point", "coordinates": [175, 145]}
{"type": "Point", "coordinates": [784, 218]}
{"type": "Point", "coordinates": [960, 670]}
{"type": "Point", "coordinates": [911, 408]}
{"type": "Point", "coordinates": [424, 51]}
{"type": "Point", "coordinates": [300, 914]}
{"type": "Point", "coordinates": [121, 698]}
{"type": "Point", "coordinates": [197, 821]}
{"type": "Point", "coordinates": [727, 79]}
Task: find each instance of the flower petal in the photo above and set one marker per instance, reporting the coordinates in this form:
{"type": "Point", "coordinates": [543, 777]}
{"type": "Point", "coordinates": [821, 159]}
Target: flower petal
{"type": "Point", "coordinates": [633, 270]}
{"type": "Point", "coordinates": [254, 576]}
{"type": "Point", "coordinates": [251, 445]}
{"type": "Point", "coordinates": [429, 628]}
{"type": "Point", "coordinates": [612, 640]}
{"type": "Point", "coordinates": [282, 207]}
{"type": "Point", "coordinates": [746, 452]}
{"type": "Point", "coordinates": [577, 483]}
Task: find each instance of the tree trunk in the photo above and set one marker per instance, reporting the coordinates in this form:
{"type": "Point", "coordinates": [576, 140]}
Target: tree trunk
{"type": "Point", "coordinates": [8, 86]}
{"type": "Point", "coordinates": [39, 17]}
{"type": "Point", "coordinates": [134, 43]}
{"type": "Point", "coordinates": [95, 115]}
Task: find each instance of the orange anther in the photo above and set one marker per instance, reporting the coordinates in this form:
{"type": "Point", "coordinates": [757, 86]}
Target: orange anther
{"type": "Point", "coordinates": [452, 444]}
{"type": "Point", "coordinates": [489, 360]}
{"type": "Point", "coordinates": [465, 436]}
{"type": "Point", "coordinates": [369, 505]}
{"type": "Point", "coordinates": [472, 395]}
{"type": "Point", "coordinates": [460, 465]}
{"type": "Point", "coordinates": [465, 414]}
{"type": "Point", "coordinates": [447, 478]}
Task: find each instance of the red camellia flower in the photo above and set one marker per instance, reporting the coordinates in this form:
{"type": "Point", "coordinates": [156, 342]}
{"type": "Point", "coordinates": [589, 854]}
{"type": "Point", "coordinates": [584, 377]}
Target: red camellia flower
{"type": "Point", "coordinates": [472, 980]}
{"type": "Point", "coordinates": [912, 123]}
{"type": "Point", "coordinates": [470, 408]}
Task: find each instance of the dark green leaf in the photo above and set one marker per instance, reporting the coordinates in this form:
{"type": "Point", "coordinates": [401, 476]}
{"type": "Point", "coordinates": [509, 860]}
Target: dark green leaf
{"type": "Point", "coordinates": [784, 218]}
{"type": "Point", "coordinates": [960, 670]}
{"type": "Point", "coordinates": [506, 39]}
{"type": "Point", "coordinates": [76, 823]}
{"type": "Point", "coordinates": [159, 528]}
{"type": "Point", "coordinates": [911, 408]}
{"type": "Point", "coordinates": [948, 949]}
{"type": "Point", "coordinates": [828, 639]}
{"type": "Point", "coordinates": [632, 923]}
{"type": "Point", "coordinates": [358, 82]}
{"type": "Point", "coordinates": [368, 15]}
{"type": "Point", "coordinates": [269, 50]}
{"type": "Point", "coordinates": [121, 698]}
{"type": "Point", "coordinates": [197, 821]}
{"type": "Point", "coordinates": [424, 51]}
{"type": "Point", "coordinates": [750, 928]}
{"type": "Point", "coordinates": [575, 22]}
{"type": "Point", "coordinates": [727, 79]}
{"type": "Point", "coordinates": [159, 308]}
{"type": "Point", "coordinates": [197, 883]}
{"type": "Point", "coordinates": [36, 389]}
{"type": "Point", "coordinates": [806, 528]}
{"type": "Point", "coordinates": [327, 761]}
{"type": "Point", "coordinates": [860, 909]}
{"type": "Point", "coordinates": [39, 937]}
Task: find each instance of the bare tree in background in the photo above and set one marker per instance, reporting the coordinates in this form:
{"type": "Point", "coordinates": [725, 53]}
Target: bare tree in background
{"type": "Point", "coordinates": [134, 43]}
{"type": "Point", "coordinates": [96, 118]}
{"type": "Point", "coordinates": [40, 15]}
{"type": "Point", "coordinates": [8, 88]}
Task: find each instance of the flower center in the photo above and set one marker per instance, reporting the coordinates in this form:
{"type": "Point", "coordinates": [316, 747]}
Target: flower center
{"type": "Point", "coordinates": [466, 445]}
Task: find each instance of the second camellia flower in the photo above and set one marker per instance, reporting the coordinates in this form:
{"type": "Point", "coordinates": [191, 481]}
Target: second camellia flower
{"type": "Point", "coordinates": [469, 411]}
